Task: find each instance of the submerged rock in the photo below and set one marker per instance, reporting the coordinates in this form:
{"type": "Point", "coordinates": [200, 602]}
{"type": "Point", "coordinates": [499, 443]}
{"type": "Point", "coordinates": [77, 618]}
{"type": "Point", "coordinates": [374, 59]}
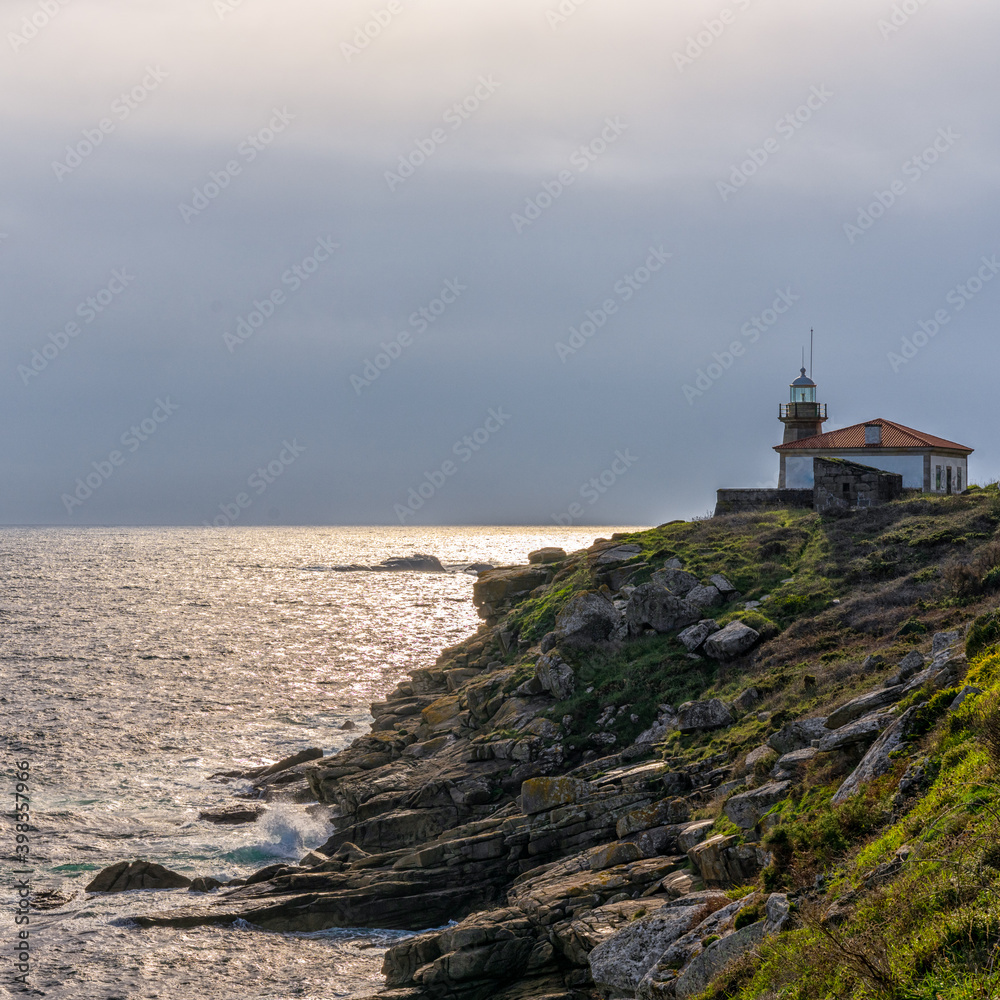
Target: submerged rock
{"type": "Point", "coordinates": [232, 815]}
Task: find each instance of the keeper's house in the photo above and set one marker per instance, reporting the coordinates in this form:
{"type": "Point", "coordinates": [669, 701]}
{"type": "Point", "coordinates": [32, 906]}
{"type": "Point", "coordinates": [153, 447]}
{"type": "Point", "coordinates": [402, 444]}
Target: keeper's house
{"type": "Point", "coordinates": [925, 462]}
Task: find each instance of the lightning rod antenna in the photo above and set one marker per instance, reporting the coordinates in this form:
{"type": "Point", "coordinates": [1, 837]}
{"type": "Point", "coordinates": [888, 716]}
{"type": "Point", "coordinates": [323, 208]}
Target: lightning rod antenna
{"type": "Point", "coordinates": [811, 338]}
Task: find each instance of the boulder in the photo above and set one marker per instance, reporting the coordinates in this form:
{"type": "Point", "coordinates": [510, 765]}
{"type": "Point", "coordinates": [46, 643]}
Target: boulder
{"type": "Point", "coordinates": [676, 581]}
{"type": "Point", "coordinates": [722, 584]}
{"type": "Point", "coordinates": [128, 875]}
{"type": "Point", "coordinates": [910, 664]}
{"type": "Point", "coordinates": [694, 833]}
{"type": "Point", "coordinates": [792, 766]}
{"type": "Point", "coordinates": [587, 620]}
{"type": "Point", "coordinates": [943, 641]}
{"type": "Point", "coordinates": [856, 737]}
{"type": "Point", "coordinates": [419, 562]}
{"type": "Point", "coordinates": [619, 964]}
{"type": "Point", "coordinates": [666, 812]}
{"type": "Point", "coordinates": [870, 702]}
{"type": "Point", "coordinates": [764, 755]}
{"type": "Point", "coordinates": [798, 734]}
{"type": "Point", "coordinates": [618, 554]}
{"type": "Point", "coordinates": [878, 760]}
{"type": "Point", "coordinates": [612, 855]}
{"type": "Point", "coordinates": [693, 637]}
{"type": "Point", "coordinates": [746, 700]}
{"type": "Point", "coordinates": [693, 716]}
{"type": "Point", "coordinates": [967, 692]}
{"type": "Point", "coordinates": [732, 641]}
{"type": "Point", "coordinates": [655, 607]}
{"type": "Point", "coordinates": [233, 815]}
{"type": "Point", "coordinates": [542, 794]}
{"type": "Point", "coordinates": [723, 861]}
{"type": "Point", "coordinates": [555, 676]}
{"type": "Point", "coordinates": [747, 808]}
{"type": "Point", "coordinates": [666, 723]}
{"type": "Point", "coordinates": [703, 596]}
{"type": "Point", "coordinates": [550, 554]}
{"type": "Point", "coordinates": [499, 588]}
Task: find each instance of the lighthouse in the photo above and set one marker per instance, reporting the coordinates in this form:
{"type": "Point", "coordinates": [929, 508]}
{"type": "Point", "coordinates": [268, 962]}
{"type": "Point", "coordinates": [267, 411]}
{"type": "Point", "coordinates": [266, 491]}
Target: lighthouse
{"type": "Point", "coordinates": [802, 416]}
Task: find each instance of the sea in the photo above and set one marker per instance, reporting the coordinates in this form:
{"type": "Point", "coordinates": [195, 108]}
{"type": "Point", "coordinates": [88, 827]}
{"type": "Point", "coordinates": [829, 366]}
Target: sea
{"type": "Point", "coordinates": [136, 664]}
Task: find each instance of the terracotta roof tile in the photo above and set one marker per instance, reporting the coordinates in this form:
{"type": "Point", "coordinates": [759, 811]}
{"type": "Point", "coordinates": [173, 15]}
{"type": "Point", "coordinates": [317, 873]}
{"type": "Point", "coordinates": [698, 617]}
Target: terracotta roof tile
{"type": "Point", "coordinates": [893, 436]}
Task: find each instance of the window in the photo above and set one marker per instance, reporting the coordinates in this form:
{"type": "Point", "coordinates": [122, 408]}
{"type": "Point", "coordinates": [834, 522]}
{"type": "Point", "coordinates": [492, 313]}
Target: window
{"type": "Point", "coordinates": [846, 487]}
{"type": "Point", "coordinates": [938, 480]}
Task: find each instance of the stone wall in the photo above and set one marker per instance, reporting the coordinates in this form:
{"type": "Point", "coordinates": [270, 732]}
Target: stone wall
{"type": "Point", "coordinates": [740, 501]}
{"type": "Point", "coordinates": [841, 485]}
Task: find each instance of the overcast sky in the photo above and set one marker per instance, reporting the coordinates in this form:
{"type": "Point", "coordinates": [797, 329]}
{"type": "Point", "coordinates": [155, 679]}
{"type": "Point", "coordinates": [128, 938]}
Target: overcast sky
{"type": "Point", "coordinates": [221, 218]}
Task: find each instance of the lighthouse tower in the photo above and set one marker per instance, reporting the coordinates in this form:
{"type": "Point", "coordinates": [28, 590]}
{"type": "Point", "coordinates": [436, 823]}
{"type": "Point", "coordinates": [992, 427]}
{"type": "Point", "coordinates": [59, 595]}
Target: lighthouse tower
{"type": "Point", "coordinates": [802, 416]}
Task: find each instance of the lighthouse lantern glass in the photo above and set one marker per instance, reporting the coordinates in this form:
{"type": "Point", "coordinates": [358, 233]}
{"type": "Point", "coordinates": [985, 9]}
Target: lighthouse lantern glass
{"type": "Point", "coordinates": [803, 394]}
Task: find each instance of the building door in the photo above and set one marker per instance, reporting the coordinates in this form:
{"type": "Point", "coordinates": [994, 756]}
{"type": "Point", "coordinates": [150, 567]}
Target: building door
{"type": "Point", "coordinates": [949, 480]}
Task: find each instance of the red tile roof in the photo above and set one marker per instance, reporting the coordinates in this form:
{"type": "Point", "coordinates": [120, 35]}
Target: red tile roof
{"type": "Point", "coordinates": [893, 436]}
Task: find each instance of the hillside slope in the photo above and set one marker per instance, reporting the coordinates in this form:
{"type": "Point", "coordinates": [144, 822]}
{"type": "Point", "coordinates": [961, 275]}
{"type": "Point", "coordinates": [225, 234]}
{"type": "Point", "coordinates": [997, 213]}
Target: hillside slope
{"type": "Point", "coordinates": [629, 783]}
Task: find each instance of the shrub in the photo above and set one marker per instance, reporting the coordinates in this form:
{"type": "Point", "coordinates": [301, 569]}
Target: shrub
{"type": "Point", "coordinates": [985, 723]}
{"type": "Point", "coordinates": [979, 573]}
{"type": "Point", "coordinates": [983, 633]}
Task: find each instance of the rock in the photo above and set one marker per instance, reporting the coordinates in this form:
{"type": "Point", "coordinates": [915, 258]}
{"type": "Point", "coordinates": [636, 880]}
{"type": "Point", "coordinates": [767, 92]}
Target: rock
{"type": "Point", "coordinates": [703, 597]}
{"type": "Point", "coordinates": [612, 855]}
{"type": "Point", "coordinates": [747, 808]}
{"type": "Point", "coordinates": [764, 755]}
{"type": "Point", "coordinates": [348, 725]}
{"type": "Point", "coordinates": [873, 663]}
{"type": "Point", "coordinates": [792, 766]}
{"type": "Point", "coordinates": [746, 700]}
{"type": "Point", "coordinates": [587, 620]}
{"type": "Point", "coordinates": [722, 584]}
{"type": "Point", "coordinates": [417, 563]}
{"type": "Point", "coordinates": [555, 676]}
{"type": "Point", "coordinates": [798, 734]}
{"type": "Point", "coordinates": [732, 641]}
{"type": "Point", "coordinates": [943, 641]}
{"type": "Point", "coordinates": [694, 833]}
{"type": "Point", "coordinates": [877, 761]}
{"type": "Point", "coordinates": [910, 664]}
{"type": "Point", "coordinates": [550, 554]}
{"type": "Point", "coordinates": [302, 757]}
{"type": "Point", "coordinates": [693, 638]}
{"type": "Point", "coordinates": [619, 964]}
{"type": "Point", "coordinates": [498, 589]}
{"type": "Point", "coordinates": [618, 554]}
{"type": "Point", "coordinates": [680, 884]}
{"type": "Point", "coordinates": [676, 581]}
{"type": "Point", "coordinates": [724, 861]}
{"type": "Point", "coordinates": [655, 607]}
{"type": "Point", "coordinates": [128, 875]}
{"type": "Point", "coordinates": [542, 794]}
{"type": "Point", "coordinates": [693, 716]}
{"type": "Point", "coordinates": [857, 736]}
{"type": "Point", "coordinates": [863, 705]}
{"type": "Point", "coordinates": [708, 963]}
{"type": "Point", "coordinates": [966, 692]}
{"type": "Point", "coordinates": [205, 884]}
{"type": "Point", "coordinates": [232, 815]}
{"type": "Point", "coordinates": [666, 812]}
{"type": "Point", "coordinates": [313, 858]}
{"type": "Point", "coordinates": [478, 567]}
{"type": "Point", "coordinates": [666, 723]}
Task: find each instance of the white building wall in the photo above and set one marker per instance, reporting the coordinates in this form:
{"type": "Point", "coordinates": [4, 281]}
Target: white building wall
{"type": "Point", "coordinates": [799, 469]}
{"type": "Point", "coordinates": [959, 473]}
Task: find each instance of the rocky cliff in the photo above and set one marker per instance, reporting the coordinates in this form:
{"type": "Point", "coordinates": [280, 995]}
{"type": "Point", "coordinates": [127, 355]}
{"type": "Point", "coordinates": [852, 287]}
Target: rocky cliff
{"type": "Point", "coordinates": [667, 766]}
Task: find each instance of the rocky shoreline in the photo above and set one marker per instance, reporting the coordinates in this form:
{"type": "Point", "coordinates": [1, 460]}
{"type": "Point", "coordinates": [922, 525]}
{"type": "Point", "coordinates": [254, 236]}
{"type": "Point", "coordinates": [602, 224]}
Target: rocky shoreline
{"type": "Point", "coordinates": [554, 862]}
